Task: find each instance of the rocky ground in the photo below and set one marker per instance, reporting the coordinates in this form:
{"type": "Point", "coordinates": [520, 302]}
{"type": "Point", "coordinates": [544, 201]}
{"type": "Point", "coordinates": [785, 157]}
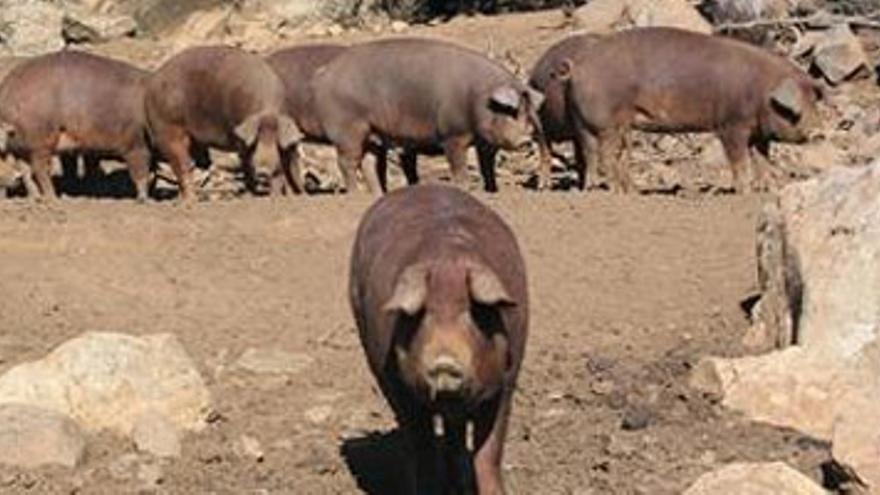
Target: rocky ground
{"type": "Point", "coordinates": [629, 294]}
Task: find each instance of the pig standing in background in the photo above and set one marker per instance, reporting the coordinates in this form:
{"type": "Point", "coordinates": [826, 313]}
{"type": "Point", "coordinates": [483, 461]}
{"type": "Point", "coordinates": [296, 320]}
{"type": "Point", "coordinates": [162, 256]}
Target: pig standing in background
{"type": "Point", "coordinates": [12, 171]}
{"type": "Point", "coordinates": [296, 66]}
{"type": "Point", "coordinates": [438, 290]}
{"type": "Point", "coordinates": [671, 80]}
{"type": "Point", "coordinates": [69, 102]}
{"type": "Point", "coordinates": [422, 94]}
{"type": "Point", "coordinates": [224, 98]}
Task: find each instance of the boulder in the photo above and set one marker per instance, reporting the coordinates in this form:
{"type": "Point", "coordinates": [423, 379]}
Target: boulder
{"type": "Point", "coordinates": [819, 272]}
{"type": "Point", "coordinates": [109, 380]}
{"type": "Point", "coordinates": [31, 437]}
{"type": "Point", "coordinates": [604, 16]}
{"type": "Point", "coordinates": [775, 478]}
{"type": "Point", "coordinates": [155, 434]}
{"type": "Point", "coordinates": [31, 27]}
{"type": "Point", "coordinates": [839, 54]}
{"type": "Point", "coordinates": [82, 26]}
{"type": "Point", "coordinates": [722, 11]}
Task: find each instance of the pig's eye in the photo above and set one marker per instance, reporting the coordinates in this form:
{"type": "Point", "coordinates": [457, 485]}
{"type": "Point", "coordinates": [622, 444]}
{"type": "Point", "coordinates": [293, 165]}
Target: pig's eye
{"type": "Point", "coordinates": [486, 318]}
{"type": "Point", "coordinates": [406, 326]}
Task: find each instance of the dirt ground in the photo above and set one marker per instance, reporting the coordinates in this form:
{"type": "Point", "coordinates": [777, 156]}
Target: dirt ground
{"type": "Point", "coordinates": [628, 292]}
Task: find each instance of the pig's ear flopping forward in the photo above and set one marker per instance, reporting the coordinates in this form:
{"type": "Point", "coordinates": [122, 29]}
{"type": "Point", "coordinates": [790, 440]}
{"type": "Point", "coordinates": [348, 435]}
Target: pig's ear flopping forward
{"type": "Point", "coordinates": [410, 291]}
{"type": "Point", "coordinates": [288, 132]}
{"type": "Point", "coordinates": [788, 96]}
{"type": "Point", "coordinates": [486, 288]}
{"type": "Point", "coordinates": [507, 97]}
{"type": "Point", "coordinates": [247, 130]}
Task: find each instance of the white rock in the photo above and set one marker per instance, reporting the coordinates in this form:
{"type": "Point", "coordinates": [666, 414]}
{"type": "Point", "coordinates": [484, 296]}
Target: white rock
{"type": "Point", "coordinates": [274, 361]}
{"type": "Point", "coordinates": [839, 54]}
{"type": "Point", "coordinates": [32, 437]}
{"type": "Point", "coordinates": [856, 437]}
{"type": "Point", "coordinates": [755, 479]}
{"type": "Point", "coordinates": [108, 380]}
{"type": "Point", "coordinates": [602, 16]}
{"type": "Point", "coordinates": [153, 433]}
{"type": "Point", "coordinates": [819, 270]}
{"type": "Point", "coordinates": [318, 415]}
{"type": "Point", "coordinates": [33, 26]}
{"type": "Point", "coordinates": [82, 26]}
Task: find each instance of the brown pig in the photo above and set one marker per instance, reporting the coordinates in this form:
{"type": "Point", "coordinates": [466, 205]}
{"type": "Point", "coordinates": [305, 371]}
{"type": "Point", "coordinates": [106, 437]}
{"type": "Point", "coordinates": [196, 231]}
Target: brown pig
{"type": "Point", "coordinates": [70, 102]}
{"type": "Point", "coordinates": [422, 94]}
{"type": "Point", "coordinates": [296, 66]}
{"type": "Point", "coordinates": [438, 291]}
{"type": "Point", "coordinates": [224, 98]}
{"type": "Point", "coordinates": [671, 80]}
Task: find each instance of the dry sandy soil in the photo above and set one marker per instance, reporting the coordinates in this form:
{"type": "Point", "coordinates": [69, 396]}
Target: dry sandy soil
{"type": "Point", "coordinates": [628, 293]}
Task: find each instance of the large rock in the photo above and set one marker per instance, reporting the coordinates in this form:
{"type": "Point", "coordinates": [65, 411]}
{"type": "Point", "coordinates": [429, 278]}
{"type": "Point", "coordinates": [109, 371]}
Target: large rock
{"type": "Point", "coordinates": [108, 381]}
{"type": "Point", "coordinates": [775, 478]}
{"type": "Point", "coordinates": [81, 26]}
{"type": "Point", "coordinates": [603, 16]}
{"type": "Point", "coordinates": [31, 437]}
{"type": "Point", "coordinates": [31, 27]}
{"type": "Point", "coordinates": [839, 54]}
{"type": "Point", "coordinates": [819, 270]}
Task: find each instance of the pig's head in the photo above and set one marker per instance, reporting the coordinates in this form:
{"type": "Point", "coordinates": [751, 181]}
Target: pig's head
{"type": "Point", "coordinates": [509, 115]}
{"type": "Point", "coordinates": [451, 344]}
{"type": "Point", "coordinates": [264, 136]}
{"type": "Point", "coordinates": [553, 81]}
{"type": "Point", "coordinates": [790, 113]}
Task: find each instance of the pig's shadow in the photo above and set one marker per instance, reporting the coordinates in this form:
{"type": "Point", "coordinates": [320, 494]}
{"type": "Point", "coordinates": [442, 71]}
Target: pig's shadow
{"type": "Point", "coordinates": [375, 459]}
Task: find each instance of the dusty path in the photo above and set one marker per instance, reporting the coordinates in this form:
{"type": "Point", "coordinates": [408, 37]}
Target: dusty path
{"type": "Point", "coordinates": [627, 293]}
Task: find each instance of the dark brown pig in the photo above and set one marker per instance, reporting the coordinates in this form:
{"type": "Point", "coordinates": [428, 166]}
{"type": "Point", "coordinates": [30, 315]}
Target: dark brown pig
{"type": "Point", "coordinates": [438, 290]}
{"type": "Point", "coordinates": [71, 102]}
{"type": "Point", "coordinates": [670, 80]}
{"type": "Point", "coordinates": [224, 98]}
{"type": "Point", "coordinates": [422, 94]}
{"type": "Point", "coordinates": [554, 112]}
{"type": "Point", "coordinates": [296, 66]}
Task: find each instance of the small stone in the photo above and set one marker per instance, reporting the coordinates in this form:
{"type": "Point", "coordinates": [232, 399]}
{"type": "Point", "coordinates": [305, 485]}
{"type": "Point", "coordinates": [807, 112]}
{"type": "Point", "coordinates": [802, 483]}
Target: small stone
{"type": "Point", "coordinates": [636, 418]}
{"type": "Point", "coordinates": [335, 30]}
{"type": "Point", "coordinates": [318, 415]}
{"type": "Point", "coordinates": [250, 447]}
{"type": "Point", "coordinates": [274, 361]}
{"type": "Point", "coordinates": [399, 26]}
{"type": "Point", "coordinates": [602, 387]}
{"type": "Point", "coordinates": [155, 434]}
{"type": "Point", "coordinates": [32, 437]}
{"type": "Point", "coordinates": [755, 479]}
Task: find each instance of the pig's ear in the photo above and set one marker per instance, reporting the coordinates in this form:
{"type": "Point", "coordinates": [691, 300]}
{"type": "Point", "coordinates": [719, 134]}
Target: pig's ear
{"type": "Point", "coordinates": [486, 288]}
{"type": "Point", "coordinates": [788, 96]}
{"type": "Point", "coordinates": [247, 130]}
{"type": "Point", "coordinates": [288, 132]}
{"type": "Point", "coordinates": [410, 291]}
{"type": "Point", "coordinates": [507, 97]}
{"type": "Point", "coordinates": [536, 98]}
{"type": "Point", "coordinates": [563, 70]}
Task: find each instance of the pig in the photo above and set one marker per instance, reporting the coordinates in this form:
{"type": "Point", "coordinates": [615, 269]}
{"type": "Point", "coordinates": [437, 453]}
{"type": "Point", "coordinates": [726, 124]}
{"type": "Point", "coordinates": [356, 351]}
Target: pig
{"type": "Point", "coordinates": [422, 94]}
{"type": "Point", "coordinates": [553, 113]}
{"type": "Point", "coordinates": [439, 294]}
{"type": "Point", "coordinates": [73, 102]}
{"type": "Point", "coordinates": [225, 98]}
{"type": "Point", "coordinates": [671, 80]}
{"type": "Point", "coordinates": [12, 171]}
{"type": "Point", "coordinates": [296, 66]}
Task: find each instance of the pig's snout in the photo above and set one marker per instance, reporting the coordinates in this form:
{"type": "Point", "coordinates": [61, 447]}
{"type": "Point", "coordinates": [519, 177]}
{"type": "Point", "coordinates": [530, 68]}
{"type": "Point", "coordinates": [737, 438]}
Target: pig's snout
{"type": "Point", "coordinates": [446, 377]}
